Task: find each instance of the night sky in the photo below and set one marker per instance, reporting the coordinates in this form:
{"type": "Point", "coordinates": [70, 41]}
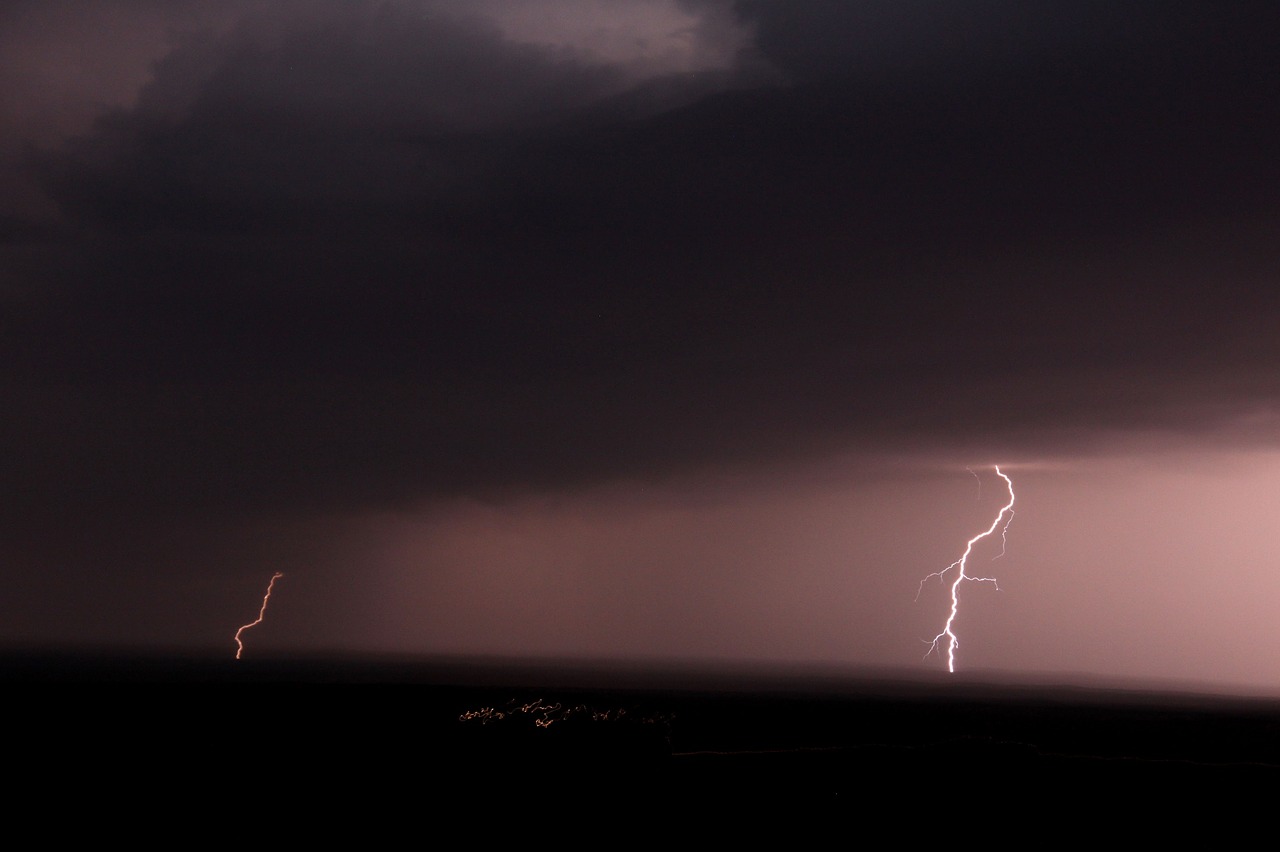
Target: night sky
{"type": "Point", "coordinates": [646, 331]}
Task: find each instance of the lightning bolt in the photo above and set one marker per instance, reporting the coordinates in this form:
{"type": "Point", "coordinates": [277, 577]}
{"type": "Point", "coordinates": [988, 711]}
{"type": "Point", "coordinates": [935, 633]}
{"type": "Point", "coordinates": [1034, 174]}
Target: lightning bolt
{"type": "Point", "coordinates": [979, 478]}
{"type": "Point", "coordinates": [261, 613]}
{"type": "Point", "coordinates": [1002, 521]}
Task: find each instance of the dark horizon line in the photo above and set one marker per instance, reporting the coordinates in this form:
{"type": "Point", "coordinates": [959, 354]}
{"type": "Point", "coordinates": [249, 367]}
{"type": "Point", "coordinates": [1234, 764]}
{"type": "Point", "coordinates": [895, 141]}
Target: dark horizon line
{"type": "Point", "coordinates": [125, 665]}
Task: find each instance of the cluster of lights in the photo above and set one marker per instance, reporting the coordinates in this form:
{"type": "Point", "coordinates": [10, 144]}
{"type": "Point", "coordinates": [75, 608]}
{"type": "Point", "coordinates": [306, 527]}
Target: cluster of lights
{"type": "Point", "coordinates": [547, 714]}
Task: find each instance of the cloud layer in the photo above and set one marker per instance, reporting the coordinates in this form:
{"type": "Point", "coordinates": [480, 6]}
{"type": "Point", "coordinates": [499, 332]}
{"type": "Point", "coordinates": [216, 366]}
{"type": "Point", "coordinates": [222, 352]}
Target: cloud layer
{"type": "Point", "coordinates": [348, 254]}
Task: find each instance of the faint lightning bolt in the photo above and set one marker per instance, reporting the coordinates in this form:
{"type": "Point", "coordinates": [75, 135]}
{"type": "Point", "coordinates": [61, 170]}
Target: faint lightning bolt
{"type": "Point", "coordinates": [979, 478]}
{"type": "Point", "coordinates": [1002, 521]}
{"type": "Point", "coordinates": [261, 613]}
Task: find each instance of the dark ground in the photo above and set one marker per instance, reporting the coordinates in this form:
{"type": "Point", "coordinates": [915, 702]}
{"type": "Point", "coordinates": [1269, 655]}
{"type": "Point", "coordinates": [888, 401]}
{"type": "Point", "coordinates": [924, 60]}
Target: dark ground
{"type": "Point", "coordinates": [313, 750]}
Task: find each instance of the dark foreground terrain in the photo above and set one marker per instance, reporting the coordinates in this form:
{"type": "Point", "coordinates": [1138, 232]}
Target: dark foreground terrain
{"type": "Point", "coordinates": [339, 752]}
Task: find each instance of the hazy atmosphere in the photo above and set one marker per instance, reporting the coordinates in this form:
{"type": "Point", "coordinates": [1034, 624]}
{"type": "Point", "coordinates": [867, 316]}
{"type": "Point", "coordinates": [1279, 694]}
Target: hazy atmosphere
{"type": "Point", "coordinates": [645, 331]}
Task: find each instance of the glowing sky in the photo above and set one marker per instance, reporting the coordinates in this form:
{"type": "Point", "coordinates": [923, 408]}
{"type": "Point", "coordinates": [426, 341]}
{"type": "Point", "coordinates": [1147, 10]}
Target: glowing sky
{"type": "Point", "coordinates": [652, 330]}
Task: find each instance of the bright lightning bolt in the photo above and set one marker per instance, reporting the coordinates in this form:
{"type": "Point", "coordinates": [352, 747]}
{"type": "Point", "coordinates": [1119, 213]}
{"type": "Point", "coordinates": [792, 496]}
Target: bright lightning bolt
{"type": "Point", "coordinates": [261, 613]}
{"type": "Point", "coordinates": [1002, 521]}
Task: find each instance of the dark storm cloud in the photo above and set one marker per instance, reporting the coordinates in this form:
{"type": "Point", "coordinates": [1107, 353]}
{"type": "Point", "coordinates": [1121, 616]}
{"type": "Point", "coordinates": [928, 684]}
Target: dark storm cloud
{"type": "Point", "coordinates": [363, 107]}
{"type": "Point", "coordinates": [896, 42]}
{"type": "Point", "coordinates": [360, 253]}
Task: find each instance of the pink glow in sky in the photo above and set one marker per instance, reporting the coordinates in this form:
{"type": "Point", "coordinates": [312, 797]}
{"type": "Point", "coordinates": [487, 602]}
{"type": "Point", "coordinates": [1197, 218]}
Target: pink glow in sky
{"type": "Point", "coordinates": [1142, 568]}
{"type": "Point", "coordinates": [1147, 568]}
{"type": "Point", "coordinates": [1133, 568]}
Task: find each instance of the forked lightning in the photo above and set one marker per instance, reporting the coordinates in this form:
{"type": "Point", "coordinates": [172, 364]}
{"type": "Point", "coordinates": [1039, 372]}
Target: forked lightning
{"type": "Point", "coordinates": [1002, 521]}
